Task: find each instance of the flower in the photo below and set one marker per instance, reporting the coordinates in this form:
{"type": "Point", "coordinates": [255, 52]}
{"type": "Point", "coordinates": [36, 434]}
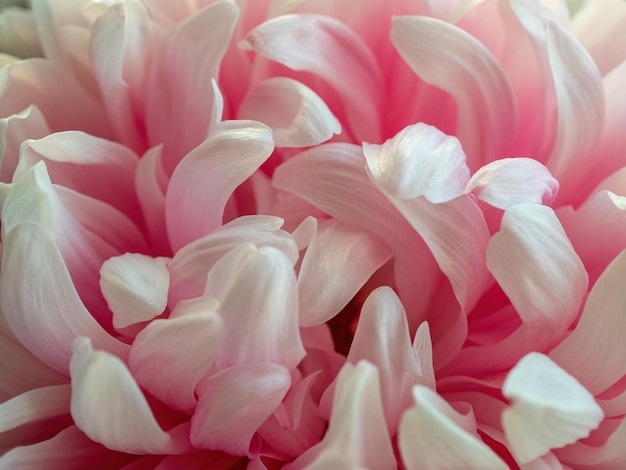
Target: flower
{"type": "Point", "coordinates": [313, 235]}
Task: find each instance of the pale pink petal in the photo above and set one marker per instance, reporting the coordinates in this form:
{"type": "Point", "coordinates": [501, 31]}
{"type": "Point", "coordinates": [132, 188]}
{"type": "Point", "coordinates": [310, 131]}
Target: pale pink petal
{"type": "Point", "coordinates": [538, 269]}
{"type": "Point", "coordinates": [453, 60]}
{"type": "Point", "coordinates": [594, 351]}
{"type": "Point", "coordinates": [419, 161]}
{"type": "Point", "coordinates": [208, 175]}
{"type": "Point", "coordinates": [233, 403]}
{"type": "Point", "coordinates": [338, 262]}
{"type": "Point", "coordinates": [135, 287]}
{"type": "Point", "coordinates": [549, 410]}
{"type": "Point", "coordinates": [505, 183]}
{"type": "Point", "coordinates": [108, 405]}
{"type": "Point", "coordinates": [329, 49]}
{"type": "Point", "coordinates": [190, 265]}
{"type": "Point", "coordinates": [35, 405]}
{"type": "Point", "coordinates": [432, 434]}
{"type": "Point", "coordinates": [179, 82]}
{"type": "Point", "coordinates": [357, 436]}
{"type": "Point", "coordinates": [15, 129]}
{"type": "Point", "coordinates": [157, 356]}
{"type": "Point", "coordinates": [296, 114]}
{"type": "Point", "coordinates": [262, 325]}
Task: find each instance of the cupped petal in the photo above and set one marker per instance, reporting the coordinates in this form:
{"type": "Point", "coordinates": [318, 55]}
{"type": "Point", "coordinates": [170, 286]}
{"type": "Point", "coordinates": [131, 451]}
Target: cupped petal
{"type": "Point", "coordinates": [108, 405]}
{"type": "Point", "coordinates": [419, 161]}
{"type": "Point", "coordinates": [169, 357]}
{"type": "Point", "coordinates": [593, 352]}
{"type": "Point", "coordinates": [35, 405]}
{"type": "Point", "coordinates": [338, 262]}
{"type": "Point", "coordinates": [549, 410]}
{"type": "Point", "coordinates": [296, 114]}
{"type": "Point", "coordinates": [329, 49]}
{"type": "Point", "coordinates": [445, 56]}
{"type": "Point", "coordinates": [233, 404]}
{"type": "Point", "coordinates": [262, 325]}
{"type": "Point", "coordinates": [135, 287]}
{"type": "Point", "coordinates": [511, 181]}
{"type": "Point", "coordinates": [208, 175]}
{"type": "Point", "coordinates": [190, 265]}
{"type": "Point", "coordinates": [432, 434]}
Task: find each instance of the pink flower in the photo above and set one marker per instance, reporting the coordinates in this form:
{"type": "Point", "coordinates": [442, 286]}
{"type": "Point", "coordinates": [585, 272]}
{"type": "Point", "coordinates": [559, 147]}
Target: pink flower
{"type": "Point", "coordinates": [313, 235]}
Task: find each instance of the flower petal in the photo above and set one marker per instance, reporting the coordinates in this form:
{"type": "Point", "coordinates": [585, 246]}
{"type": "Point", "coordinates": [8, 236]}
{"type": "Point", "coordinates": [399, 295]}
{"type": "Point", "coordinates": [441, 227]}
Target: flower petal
{"type": "Point", "coordinates": [296, 114]}
{"type": "Point", "coordinates": [550, 408]}
{"type": "Point", "coordinates": [208, 175]}
{"type": "Point", "coordinates": [432, 434]}
{"type": "Point", "coordinates": [35, 405]}
{"type": "Point", "coordinates": [233, 403]}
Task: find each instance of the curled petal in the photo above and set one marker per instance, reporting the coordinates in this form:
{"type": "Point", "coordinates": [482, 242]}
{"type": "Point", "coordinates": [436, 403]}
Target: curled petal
{"type": "Point", "coordinates": [35, 405]}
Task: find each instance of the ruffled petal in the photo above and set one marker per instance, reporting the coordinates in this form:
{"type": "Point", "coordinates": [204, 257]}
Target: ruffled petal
{"type": "Point", "coordinates": [233, 403]}
{"type": "Point", "coordinates": [35, 405]}
{"type": "Point", "coordinates": [550, 408]}
{"type": "Point", "coordinates": [338, 262]}
{"type": "Point", "coordinates": [296, 114]}
{"type": "Point", "coordinates": [208, 175]}
{"type": "Point", "coordinates": [262, 325]}
{"type": "Point", "coordinates": [432, 434]}
{"type": "Point", "coordinates": [327, 48]}
{"type": "Point", "coordinates": [505, 183]}
{"type": "Point", "coordinates": [419, 161]}
{"type": "Point", "coordinates": [453, 60]}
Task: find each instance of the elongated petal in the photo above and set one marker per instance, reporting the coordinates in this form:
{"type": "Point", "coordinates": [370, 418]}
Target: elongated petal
{"type": "Point", "coordinates": [296, 114]}
{"type": "Point", "coordinates": [191, 264]}
{"type": "Point", "coordinates": [328, 48]}
{"type": "Point", "coordinates": [505, 183]}
{"type": "Point", "coordinates": [135, 287]}
{"type": "Point", "coordinates": [337, 263]}
{"type": "Point", "coordinates": [108, 405]}
{"type": "Point", "coordinates": [209, 174]}
{"type": "Point", "coordinates": [419, 161]}
{"type": "Point", "coordinates": [35, 405]}
{"type": "Point", "coordinates": [261, 326]}
{"type": "Point", "coordinates": [434, 435]}
{"type": "Point", "coordinates": [170, 368]}
{"type": "Point", "coordinates": [453, 60]}
{"type": "Point", "coordinates": [550, 408]}
{"type": "Point", "coordinates": [232, 404]}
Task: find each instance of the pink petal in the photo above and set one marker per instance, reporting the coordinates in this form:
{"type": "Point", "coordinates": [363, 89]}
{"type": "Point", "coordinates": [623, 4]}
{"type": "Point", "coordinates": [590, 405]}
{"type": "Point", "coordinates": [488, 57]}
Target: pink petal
{"type": "Point", "coordinates": [233, 403]}
{"type": "Point", "coordinates": [35, 405]}
{"type": "Point", "coordinates": [296, 114]}
{"type": "Point", "coordinates": [432, 434]}
{"type": "Point", "coordinates": [135, 287]}
{"type": "Point", "coordinates": [337, 263]}
{"type": "Point", "coordinates": [505, 183]}
{"type": "Point", "coordinates": [594, 351]}
{"type": "Point", "coordinates": [108, 405]}
{"type": "Point", "coordinates": [180, 77]}
{"type": "Point", "coordinates": [208, 175]}
{"type": "Point", "coordinates": [261, 326]}
{"type": "Point", "coordinates": [170, 369]}
{"type": "Point", "coordinates": [357, 436]}
{"type": "Point", "coordinates": [190, 265]}
{"type": "Point", "coordinates": [329, 49]}
{"type": "Point", "coordinates": [419, 161]}
{"type": "Point", "coordinates": [550, 408]}
{"type": "Point", "coordinates": [453, 60]}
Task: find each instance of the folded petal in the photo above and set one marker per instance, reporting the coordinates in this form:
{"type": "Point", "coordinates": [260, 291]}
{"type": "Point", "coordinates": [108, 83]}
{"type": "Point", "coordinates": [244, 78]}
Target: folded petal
{"type": "Point", "coordinates": [338, 262]}
{"type": "Point", "coordinates": [505, 183]}
{"type": "Point", "coordinates": [419, 161]}
{"type": "Point", "coordinates": [453, 60]}
{"type": "Point", "coordinates": [296, 114]}
{"type": "Point", "coordinates": [432, 434]}
{"type": "Point", "coordinates": [35, 405]}
{"type": "Point", "coordinates": [208, 175]}
{"type": "Point", "coordinates": [233, 403]}
{"type": "Point", "coordinates": [262, 325]}
{"type": "Point", "coordinates": [328, 48]}
{"type": "Point", "coordinates": [550, 409]}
